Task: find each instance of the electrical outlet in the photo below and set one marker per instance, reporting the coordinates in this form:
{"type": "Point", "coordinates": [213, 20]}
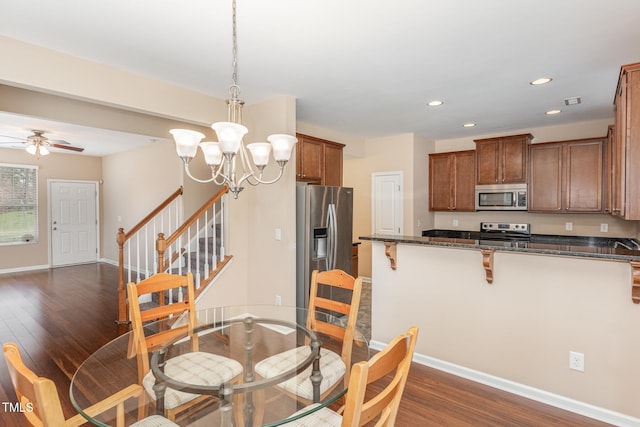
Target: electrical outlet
{"type": "Point", "coordinates": [568, 226]}
{"type": "Point", "coordinates": [278, 300]}
{"type": "Point", "coordinates": [604, 227]}
{"type": "Point", "coordinates": [576, 361]}
{"type": "Point", "coordinates": [278, 234]}
{"type": "Point", "coordinates": [455, 222]}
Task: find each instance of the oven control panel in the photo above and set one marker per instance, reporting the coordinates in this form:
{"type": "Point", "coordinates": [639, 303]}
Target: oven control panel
{"type": "Point", "coordinates": [505, 227]}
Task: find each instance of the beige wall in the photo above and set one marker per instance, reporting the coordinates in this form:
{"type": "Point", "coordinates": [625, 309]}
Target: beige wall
{"type": "Point", "coordinates": [151, 174]}
{"type": "Point", "coordinates": [407, 150]}
{"type": "Point", "coordinates": [53, 166]}
{"type": "Point", "coordinates": [262, 267]}
{"type": "Point", "coordinates": [522, 327]}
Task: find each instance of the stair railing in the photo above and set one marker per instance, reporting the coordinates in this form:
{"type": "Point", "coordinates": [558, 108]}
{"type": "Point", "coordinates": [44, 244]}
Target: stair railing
{"type": "Point", "coordinates": [197, 246]}
{"type": "Point", "coordinates": [136, 246]}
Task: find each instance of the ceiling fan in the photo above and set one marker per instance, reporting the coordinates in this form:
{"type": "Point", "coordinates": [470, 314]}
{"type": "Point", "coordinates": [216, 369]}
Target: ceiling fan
{"type": "Point", "coordinates": [38, 144]}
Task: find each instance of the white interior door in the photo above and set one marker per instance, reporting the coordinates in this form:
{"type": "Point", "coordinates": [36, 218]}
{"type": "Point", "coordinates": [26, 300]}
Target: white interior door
{"type": "Point", "coordinates": [74, 223]}
{"type": "Point", "coordinates": [387, 203]}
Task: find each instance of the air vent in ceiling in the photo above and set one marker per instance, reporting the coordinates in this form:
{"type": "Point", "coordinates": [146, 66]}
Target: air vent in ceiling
{"type": "Point", "coordinates": [572, 101]}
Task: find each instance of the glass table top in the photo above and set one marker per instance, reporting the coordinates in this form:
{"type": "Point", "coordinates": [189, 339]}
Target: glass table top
{"type": "Point", "coordinates": [246, 334]}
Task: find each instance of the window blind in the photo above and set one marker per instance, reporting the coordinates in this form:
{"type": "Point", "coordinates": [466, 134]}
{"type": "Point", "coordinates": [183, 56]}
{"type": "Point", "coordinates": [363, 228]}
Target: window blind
{"type": "Point", "coordinates": [18, 204]}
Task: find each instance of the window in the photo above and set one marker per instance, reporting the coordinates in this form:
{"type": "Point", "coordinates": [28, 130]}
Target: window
{"type": "Point", "coordinates": [18, 204]}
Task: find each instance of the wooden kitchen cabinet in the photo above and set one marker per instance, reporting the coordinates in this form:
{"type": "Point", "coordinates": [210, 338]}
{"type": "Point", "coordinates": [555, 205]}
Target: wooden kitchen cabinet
{"type": "Point", "coordinates": [452, 181]}
{"type": "Point", "coordinates": [608, 169]}
{"type": "Point", "coordinates": [318, 161]}
{"type": "Point", "coordinates": [567, 176]}
{"type": "Point", "coordinates": [502, 160]}
{"type": "Point", "coordinates": [626, 150]}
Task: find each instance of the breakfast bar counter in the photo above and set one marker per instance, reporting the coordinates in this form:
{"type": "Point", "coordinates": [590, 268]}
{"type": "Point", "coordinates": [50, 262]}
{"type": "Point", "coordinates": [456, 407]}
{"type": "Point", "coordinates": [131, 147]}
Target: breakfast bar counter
{"type": "Point", "coordinates": [576, 246]}
{"type": "Point", "coordinates": [606, 249]}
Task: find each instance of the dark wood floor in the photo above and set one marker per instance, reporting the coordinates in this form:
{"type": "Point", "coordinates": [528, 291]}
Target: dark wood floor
{"type": "Point", "coordinates": [58, 317]}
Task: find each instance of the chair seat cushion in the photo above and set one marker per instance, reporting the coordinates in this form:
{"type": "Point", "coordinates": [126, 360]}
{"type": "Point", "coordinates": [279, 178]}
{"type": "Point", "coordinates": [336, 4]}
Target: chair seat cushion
{"type": "Point", "coordinates": [154, 421]}
{"type": "Point", "coordinates": [197, 368]}
{"type": "Point", "coordinates": [331, 366]}
{"type": "Point", "coordinates": [323, 417]}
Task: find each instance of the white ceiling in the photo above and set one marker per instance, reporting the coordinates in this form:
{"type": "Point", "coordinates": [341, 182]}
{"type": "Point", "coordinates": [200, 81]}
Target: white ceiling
{"type": "Point", "coordinates": [362, 67]}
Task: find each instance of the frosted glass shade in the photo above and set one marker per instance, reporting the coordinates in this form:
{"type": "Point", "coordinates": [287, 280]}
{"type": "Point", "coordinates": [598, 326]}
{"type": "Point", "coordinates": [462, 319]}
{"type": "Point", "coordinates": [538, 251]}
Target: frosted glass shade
{"type": "Point", "coordinates": [212, 153]}
{"type": "Point", "coordinates": [31, 149]}
{"type": "Point", "coordinates": [43, 150]}
{"type": "Point", "coordinates": [260, 152]}
{"type": "Point", "coordinates": [282, 146]}
{"type": "Point", "coordinates": [186, 142]}
{"type": "Point", "coordinates": [229, 136]}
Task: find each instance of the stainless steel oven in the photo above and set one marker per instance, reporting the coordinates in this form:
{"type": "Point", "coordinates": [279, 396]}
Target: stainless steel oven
{"type": "Point", "coordinates": [501, 197]}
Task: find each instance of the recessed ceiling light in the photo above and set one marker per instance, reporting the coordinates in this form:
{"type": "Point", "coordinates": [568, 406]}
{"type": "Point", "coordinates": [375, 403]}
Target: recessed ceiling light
{"type": "Point", "coordinates": [435, 103]}
{"type": "Point", "coordinates": [540, 81]}
{"type": "Point", "coordinates": [469, 125]}
{"type": "Point", "coordinates": [552, 112]}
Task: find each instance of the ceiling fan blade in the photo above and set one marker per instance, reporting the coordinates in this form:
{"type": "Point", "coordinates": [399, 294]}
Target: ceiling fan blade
{"type": "Point", "coordinates": [68, 147]}
{"type": "Point", "coordinates": [59, 141]}
{"type": "Point", "coordinates": [11, 137]}
{"type": "Point", "coordinates": [10, 142]}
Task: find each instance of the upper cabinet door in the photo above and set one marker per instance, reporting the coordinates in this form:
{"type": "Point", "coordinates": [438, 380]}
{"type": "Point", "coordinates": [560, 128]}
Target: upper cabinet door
{"type": "Point", "coordinates": [513, 159]}
{"type": "Point", "coordinates": [583, 165]}
{"type": "Point", "coordinates": [487, 161]}
{"type": "Point", "coordinates": [545, 182]}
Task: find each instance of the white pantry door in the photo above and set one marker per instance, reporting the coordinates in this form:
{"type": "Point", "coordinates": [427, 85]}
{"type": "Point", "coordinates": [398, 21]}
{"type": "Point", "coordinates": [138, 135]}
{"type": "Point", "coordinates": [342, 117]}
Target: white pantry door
{"type": "Point", "coordinates": [387, 202]}
{"type": "Point", "coordinates": [74, 223]}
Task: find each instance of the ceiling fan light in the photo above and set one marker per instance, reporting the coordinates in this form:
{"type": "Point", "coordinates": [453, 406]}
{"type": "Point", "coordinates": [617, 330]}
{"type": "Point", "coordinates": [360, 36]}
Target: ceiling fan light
{"type": "Point", "coordinates": [282, 146]}
{"type": "Point", "coordinates": [31, 149]}
{"type": "Point", "coordinates": [43, 150]}
{"type": "Point", "coordinates": [186, 142]}
{"type": "Point", "coordinates": [229, 136]}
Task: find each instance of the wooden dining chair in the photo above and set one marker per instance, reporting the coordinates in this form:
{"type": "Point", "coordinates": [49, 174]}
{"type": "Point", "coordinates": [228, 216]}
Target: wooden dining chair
{"type": "Point", "coordinates": [195, 367]}
{"type": "Point", "coordinates": [382, 406]}
{"type": "Point", "coordinates": [334, 367]}
{"type": "Point", "coordinates": [40, 403]}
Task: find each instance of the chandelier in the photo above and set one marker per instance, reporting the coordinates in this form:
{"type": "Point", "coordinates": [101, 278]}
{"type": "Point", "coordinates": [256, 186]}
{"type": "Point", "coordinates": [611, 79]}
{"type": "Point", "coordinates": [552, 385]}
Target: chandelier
{"type": "Point", "coordinates": [222, 156]}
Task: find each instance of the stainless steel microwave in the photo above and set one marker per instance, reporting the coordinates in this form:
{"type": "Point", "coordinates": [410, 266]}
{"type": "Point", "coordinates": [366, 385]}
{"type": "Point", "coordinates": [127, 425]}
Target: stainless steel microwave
{"type": "Point", "coordinates": [501, 197]}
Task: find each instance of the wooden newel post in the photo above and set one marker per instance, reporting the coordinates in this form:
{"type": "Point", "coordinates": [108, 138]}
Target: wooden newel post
{"type": "Point", "coordinates": [122, 293]}
{"type": "Point", "coordinates": [161, 246]}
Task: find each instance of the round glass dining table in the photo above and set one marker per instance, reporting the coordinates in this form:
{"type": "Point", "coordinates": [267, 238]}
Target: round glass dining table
{"type": "Point", "coordinates": [247, 334]}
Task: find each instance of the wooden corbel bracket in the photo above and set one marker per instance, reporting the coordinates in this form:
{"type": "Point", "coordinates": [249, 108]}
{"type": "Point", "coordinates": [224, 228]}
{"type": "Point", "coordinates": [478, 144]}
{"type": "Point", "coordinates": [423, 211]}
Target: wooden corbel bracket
{"type": "Point", "coordinates": [487, 263]}
{"type": "Point", "coordinates": [635, 284]}
{"type": "Point", "coordinates": [391, 253]}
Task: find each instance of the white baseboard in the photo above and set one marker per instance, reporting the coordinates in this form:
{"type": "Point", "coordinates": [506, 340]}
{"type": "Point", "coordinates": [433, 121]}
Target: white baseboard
{"type": "Point", "coordinates": [27, 268]}
{"type": "Point", "coordinates": [575, 406]}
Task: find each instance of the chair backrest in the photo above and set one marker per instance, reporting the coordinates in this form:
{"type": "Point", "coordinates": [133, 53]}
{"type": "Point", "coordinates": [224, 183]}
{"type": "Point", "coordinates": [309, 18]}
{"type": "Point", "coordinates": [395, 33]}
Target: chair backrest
{"type": "Point", "coordinates": [145, 341]}
{"type": "Point", "coordinates": [336, 279]}
{"type": "Point", "coordinates": [384, 404]}
{"type": "Point", "coordinates": [38, 396]}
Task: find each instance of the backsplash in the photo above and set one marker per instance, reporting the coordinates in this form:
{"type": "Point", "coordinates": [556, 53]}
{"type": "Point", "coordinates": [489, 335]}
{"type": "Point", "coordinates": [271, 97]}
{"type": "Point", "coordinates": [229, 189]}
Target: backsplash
{"type": "Point", "coordinates": [582, 225]}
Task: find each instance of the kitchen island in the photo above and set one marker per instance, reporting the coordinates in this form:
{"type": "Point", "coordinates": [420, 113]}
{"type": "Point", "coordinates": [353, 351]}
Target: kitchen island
{"type": "Point", "coordinates": [516, 332]}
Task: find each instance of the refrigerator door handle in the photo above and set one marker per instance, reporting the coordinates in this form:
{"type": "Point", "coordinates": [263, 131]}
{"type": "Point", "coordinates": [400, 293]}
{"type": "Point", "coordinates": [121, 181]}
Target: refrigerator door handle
{"type": "Point", "coordinates": [329, 238]}
{"type": "Point", "coordinates": [333, 237]}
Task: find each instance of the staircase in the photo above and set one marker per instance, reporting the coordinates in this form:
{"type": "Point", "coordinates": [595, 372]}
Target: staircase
{"type": "Point", "coordinates": [195, 245]}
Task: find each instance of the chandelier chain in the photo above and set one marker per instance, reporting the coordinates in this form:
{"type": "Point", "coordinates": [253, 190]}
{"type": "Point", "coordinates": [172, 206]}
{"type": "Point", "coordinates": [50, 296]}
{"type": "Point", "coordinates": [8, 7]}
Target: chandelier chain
{"type": "Point", "coordinates": [234, 90]}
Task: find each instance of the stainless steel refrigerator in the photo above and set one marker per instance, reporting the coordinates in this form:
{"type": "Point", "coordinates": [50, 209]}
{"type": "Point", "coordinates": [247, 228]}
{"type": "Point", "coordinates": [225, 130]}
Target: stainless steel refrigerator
{"type": "Point", "coordinates": [324, 224]}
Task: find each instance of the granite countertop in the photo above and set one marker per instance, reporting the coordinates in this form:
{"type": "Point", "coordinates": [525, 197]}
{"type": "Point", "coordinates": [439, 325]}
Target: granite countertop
{"type": "Point", "coordinates": [577, 246]}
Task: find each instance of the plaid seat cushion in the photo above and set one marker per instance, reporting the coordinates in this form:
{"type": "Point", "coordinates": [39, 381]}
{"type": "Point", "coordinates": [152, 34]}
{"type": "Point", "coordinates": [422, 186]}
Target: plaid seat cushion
{"type": "Point", "coordinates": [331, 366]}
{"type": "Point", "coordinates": [154, 421]}
{"type": "Point", "coordinates": [323, 417]}
{"type": "Point", "coordinates": [196, 368]}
